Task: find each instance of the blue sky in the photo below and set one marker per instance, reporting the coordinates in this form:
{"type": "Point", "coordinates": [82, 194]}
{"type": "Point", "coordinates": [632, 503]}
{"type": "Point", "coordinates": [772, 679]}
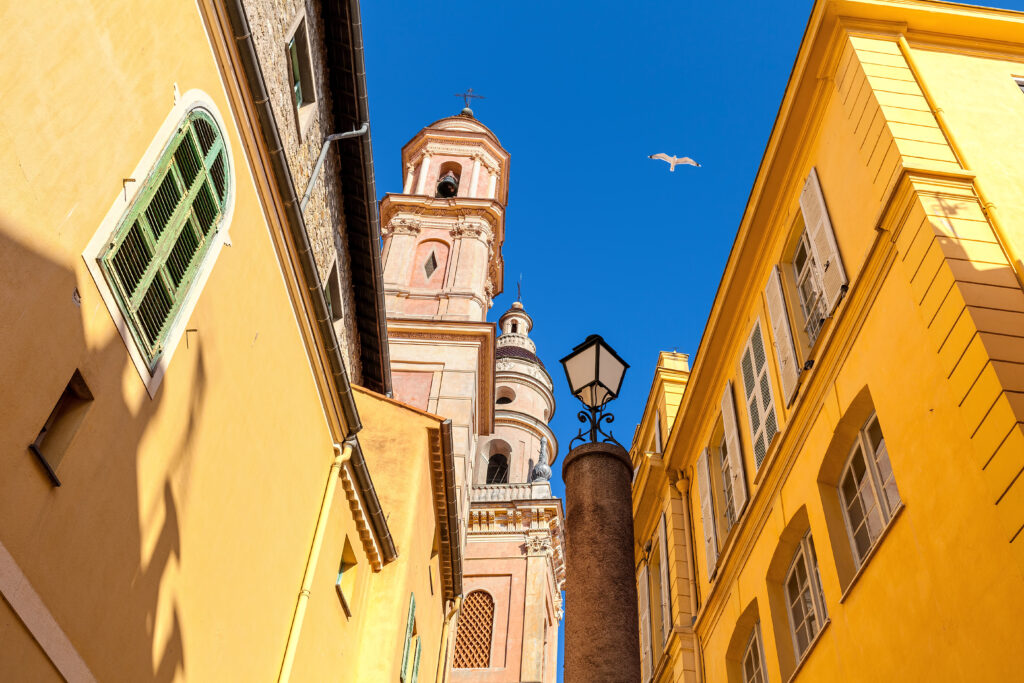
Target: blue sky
{"type": "Point", "coordinates": [607, 241]}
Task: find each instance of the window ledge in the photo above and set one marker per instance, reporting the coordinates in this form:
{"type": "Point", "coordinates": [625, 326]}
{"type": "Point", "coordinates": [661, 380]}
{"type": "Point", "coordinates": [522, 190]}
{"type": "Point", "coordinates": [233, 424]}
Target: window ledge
{"type": "Point", "coordinates": [304, 116]}
{"type": "Point", "coordinates": [809, 651]}
{"type": "Point", "coordinates": [871, 553]}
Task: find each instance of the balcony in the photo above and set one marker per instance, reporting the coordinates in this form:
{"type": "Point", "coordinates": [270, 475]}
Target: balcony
{"type": "Point", "coordinates": [486, 493]}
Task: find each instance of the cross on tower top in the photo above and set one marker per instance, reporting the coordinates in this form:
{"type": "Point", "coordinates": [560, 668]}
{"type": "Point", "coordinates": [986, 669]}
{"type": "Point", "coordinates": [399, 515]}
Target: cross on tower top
{"type": "Point", "coordinates": [468, 95]}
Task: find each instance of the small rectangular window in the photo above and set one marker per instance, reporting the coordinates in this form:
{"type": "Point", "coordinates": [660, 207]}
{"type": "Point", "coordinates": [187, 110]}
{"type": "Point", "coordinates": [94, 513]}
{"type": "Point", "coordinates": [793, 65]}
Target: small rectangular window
{"type": "Point", "coordinates": [346, 582]}
{"type": "Point", "coordinates": [60, 427]}
{"type": "Point", "coordinates": [300, 74]}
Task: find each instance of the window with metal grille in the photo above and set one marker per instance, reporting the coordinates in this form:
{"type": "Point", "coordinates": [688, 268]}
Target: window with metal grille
{"type": "Point", "coordinates": [868, 489]}
{"type": "Point", "coordinates": [497, 469]}
{"type": "Point", "coordinates": [757, 384]}
{"type": "Point", "coordinates": [156, 250]}
{"type": "Point", "coordinates": [476, 623]}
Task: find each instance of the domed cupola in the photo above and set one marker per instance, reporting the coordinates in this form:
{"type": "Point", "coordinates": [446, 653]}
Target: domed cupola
{"type": "Point", "coordinates": [515, 325]}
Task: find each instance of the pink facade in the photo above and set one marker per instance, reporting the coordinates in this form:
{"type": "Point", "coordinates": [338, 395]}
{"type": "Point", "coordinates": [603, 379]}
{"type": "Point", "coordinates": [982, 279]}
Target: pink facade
{"type": "Point", "coordinates": [442, 268]}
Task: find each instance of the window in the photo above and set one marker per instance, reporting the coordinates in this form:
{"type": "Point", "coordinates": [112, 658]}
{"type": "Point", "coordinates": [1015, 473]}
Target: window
{"type": "Point", "coordinates": [657, 432]}
{"type": "Point", "coordinates": [154, 254]}
{"type": "Point", "coordinates": [808, 287]}
{"type": "Point", "coordinates": [643, 592]}
{"type": "Point", "coordinates": [300, 74]}
{"type": "Point", "coordinates": [504, 400]}
{"type": "Point", "coordinates": [346, 582]}
{"type": "Point", "coordinates": [431, 265]}
{"type": "Point", "coordinates": [665, 581]}
{"type": "Point", "coordinates": [1020, 84]}
{"type": "Point", "coordinates": [757, 385]}
{"type": "Point", "coordinates": [515, 327]}
{"type": "Point", "coordinates": [410, 670]}
{"type": "Point", "coordinates": [332, 293]}
{"type": "Point", "coordinates": [505, 396]}
{"type": "Point", "coordinates": [868, 490]}
{"type": "Point", "coordinates": [497, 469]}
{"type": "Point", "coordinates": [805, 601]}
{"type": "Point", "coordinates": [475, 626]}
{"type": "Point", "coordinates": [60, 427]}
{"type": "Point", "coordinates": [722, 481]}
{"type": "Point", "coordinates": [753, 658]}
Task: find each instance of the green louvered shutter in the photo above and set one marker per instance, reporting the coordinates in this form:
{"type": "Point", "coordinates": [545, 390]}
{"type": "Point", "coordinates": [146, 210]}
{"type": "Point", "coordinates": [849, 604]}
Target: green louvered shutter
{"type": "Point", "coordinates": [409, 625]}
{"type": "Point", "coordinates": [156, 250]}
{"type": "Point", "coordinates": [416, 660]}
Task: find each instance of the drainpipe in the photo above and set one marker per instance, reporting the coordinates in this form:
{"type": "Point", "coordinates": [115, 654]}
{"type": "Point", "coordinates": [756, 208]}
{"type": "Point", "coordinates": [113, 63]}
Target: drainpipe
{"type": "Point", "coordinates": [987, 207]}
{"type": "Point", "coordinates": [362, 130]}
{"type": "Point", "coordinates": [683, 486]}
{"type": "Point", "coordinates": [442, 657]}
{"type": "Point", "coordinates": [296, 226]}
{"type": "Point", "coordinates": [341, 454]}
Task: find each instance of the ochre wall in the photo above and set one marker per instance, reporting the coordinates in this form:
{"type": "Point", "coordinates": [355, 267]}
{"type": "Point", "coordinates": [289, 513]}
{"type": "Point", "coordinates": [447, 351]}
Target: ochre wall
{"type": "Point", "coordinates": [929, 335]}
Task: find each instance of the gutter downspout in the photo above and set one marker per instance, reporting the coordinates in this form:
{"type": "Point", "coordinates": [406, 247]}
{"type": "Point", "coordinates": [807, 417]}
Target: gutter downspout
{"type": "Point", "coordinates": [341, 455]}
{"type": "Point", "coordinates": [683, 486]}
{"type": "Point", "coordinates": [987, 207]}
{"type": "Point", "coordinates": [442, 657]}
{"type": "Point", "coordinates": [297, 228]}
{"type": "Point", "coordinates": [362, 130]}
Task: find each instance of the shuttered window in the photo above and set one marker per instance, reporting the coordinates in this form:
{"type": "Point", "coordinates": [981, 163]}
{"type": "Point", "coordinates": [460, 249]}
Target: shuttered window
{"type": "Point", "coordinates": [155, 252]}
{"type": "Point", "coordinates": [822, 240]}
{"type": "Point", "coordinates": [707, 512]}
{"type": "Point", "coordinates": [410, 631]}
{"type": "Point", "coordinates": [757, 386]}
{"type": "Point", "coordinates": [782, 334]}
{"type": "Point", "coordinates": [732, 456]}
{"type": "Point", "coordinates": [868, 489]}
{"type": "Point", "coordinates": [666, 599]}
{"type": "Point", "coordinates": [643, 591]}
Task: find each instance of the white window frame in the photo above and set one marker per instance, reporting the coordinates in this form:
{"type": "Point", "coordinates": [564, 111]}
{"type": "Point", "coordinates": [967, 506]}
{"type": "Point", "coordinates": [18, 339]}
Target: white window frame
{"type": "Point", "coordinates": [814, 595]}
{"type": "Point", "coordinates": [725, 467]}
{"type": "Point", "coordinates": [762, 400]}
{"type": "Point", "coordinates": [872, 484]}
{"type": "Point", "coordinates": [188, 101]}
{"type": "Point", "coordinates": [812, 305]}
{"type": "Point", "coordinates": [754, 650]}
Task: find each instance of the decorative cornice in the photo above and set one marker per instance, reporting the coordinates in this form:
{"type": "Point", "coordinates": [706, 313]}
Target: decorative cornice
{"type": "Point", "coordinates": [359, 515]}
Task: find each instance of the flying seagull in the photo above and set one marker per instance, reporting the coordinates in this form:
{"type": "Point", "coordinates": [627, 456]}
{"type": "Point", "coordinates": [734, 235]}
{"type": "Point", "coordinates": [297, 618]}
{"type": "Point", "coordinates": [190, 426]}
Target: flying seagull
{"type": "Point", "coordinates": [674, 161]}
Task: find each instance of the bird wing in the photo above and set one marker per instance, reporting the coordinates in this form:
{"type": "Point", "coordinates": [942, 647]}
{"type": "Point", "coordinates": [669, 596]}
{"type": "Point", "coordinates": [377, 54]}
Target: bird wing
{"type": "Point", "coordinates": [663, 157]}
{"type": "Point", "coordinates": [688, 160]}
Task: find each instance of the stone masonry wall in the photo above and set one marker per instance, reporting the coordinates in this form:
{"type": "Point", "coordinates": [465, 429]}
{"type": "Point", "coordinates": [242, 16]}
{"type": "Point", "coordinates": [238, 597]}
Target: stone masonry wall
{"type": "Point", "coordinates": [271, 21]}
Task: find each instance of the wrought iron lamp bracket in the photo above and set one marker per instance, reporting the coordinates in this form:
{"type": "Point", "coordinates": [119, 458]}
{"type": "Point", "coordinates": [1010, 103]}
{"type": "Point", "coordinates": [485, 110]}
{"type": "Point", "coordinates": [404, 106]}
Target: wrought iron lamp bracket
{"type": "Point", "coordinates": [591, 431]}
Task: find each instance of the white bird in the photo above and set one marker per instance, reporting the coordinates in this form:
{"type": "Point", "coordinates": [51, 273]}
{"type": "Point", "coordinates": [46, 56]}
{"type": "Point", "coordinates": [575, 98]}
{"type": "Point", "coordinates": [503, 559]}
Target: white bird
{"type": "Point", "coordinates": [674, 161]}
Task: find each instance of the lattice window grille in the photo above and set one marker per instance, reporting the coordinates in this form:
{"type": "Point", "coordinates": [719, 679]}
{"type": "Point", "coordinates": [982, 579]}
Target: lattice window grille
{"type": "Point", "coordinates": [476, 624]}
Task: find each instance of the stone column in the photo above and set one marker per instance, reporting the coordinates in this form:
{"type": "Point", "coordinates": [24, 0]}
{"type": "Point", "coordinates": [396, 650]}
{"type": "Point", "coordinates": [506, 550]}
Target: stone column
{"type": "Point", "coordinates": [602, 639]}
{"type": "Point", "coordinates": [421, 184]}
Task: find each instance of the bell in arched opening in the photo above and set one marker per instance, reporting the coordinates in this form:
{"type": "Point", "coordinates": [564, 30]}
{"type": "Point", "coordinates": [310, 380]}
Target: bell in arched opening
{"type": "Point", "coordinates": [448, 185]}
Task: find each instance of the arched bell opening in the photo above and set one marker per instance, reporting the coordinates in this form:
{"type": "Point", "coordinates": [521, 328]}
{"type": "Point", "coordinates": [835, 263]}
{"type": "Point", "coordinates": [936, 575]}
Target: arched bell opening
{"type": "Point", "coordinates": [448, 179]}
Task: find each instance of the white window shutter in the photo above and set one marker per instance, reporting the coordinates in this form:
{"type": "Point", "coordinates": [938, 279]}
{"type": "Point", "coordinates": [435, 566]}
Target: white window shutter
{"type": "Point", "coordinates": [732, 443]}
{"type": "Point", "coordinates": [643, 593]}
{"type": "Point", "coordinates": [707, 513]}
{"type": "Point", "coordinates": [782, 333]}
{"type": "Point", "coordinates": [823, 241]}
{"type": "Point", "coordinates": [666, 591]}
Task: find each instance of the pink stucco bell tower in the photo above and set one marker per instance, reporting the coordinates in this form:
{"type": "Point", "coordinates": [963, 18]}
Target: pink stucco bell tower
{"type": "Point", "coordinates": [442, 242]}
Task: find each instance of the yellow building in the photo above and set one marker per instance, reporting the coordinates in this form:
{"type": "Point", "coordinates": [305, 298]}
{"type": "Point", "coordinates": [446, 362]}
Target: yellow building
{"type": "Point", "coordinates": [192, 487]}
{"type": "Point", "coordinates": [841, 483]}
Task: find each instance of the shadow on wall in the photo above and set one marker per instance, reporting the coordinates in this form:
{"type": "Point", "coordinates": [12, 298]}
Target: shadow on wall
{"type": "Point", "coordinates": [95, 552]}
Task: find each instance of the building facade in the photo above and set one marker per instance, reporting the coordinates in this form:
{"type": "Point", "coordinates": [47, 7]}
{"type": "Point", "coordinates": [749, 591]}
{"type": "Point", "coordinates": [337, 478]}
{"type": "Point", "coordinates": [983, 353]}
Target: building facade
{"type": "Point", "coordinates": [203, 476]}
{"type": "Point", "coordinates": [841, 482]}
{"type": "Point", "coordinates": [443, 266]}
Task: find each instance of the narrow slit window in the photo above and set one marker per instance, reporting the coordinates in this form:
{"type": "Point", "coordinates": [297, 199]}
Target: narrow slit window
{"type": "Point", "coordinates": [60, 427]}
{"type": "Point", "coordinates": [300, 74]}
{"type": "Point", "coordinates": [155, 253]}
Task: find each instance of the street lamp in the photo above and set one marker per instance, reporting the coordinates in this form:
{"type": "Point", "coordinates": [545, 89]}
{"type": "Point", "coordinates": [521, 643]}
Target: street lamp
{"type": "Point", "coordinates": [595, 373]}
{"type": "Point", "coordinates": [602, 637]}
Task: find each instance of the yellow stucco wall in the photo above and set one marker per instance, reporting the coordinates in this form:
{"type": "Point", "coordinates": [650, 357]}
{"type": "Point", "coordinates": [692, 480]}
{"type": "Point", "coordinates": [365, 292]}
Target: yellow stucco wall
{"type": "Point", "coordinates": [930, 335]}
{"type": "Point", "coordinates": [176, 545]}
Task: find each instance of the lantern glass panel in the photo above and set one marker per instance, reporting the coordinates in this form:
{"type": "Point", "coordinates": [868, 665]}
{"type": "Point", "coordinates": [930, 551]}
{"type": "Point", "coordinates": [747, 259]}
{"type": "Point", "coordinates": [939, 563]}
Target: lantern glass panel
{"type": "Point", "coordinates": [580, 368]}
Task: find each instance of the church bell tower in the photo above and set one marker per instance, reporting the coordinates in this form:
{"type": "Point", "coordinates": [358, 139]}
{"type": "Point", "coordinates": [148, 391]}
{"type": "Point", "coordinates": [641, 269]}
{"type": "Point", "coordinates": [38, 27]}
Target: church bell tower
{"type": "Point", "coordinates": [442, 241]}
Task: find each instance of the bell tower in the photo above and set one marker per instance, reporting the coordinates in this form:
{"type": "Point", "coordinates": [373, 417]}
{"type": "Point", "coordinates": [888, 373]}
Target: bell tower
{"type": "Point", "coordinates": [442, 241]}
{"type": "Point", "coordinates": [443, 234]}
